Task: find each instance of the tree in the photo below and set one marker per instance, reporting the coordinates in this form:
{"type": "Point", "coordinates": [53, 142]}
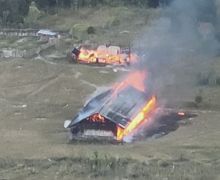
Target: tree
{"type": "Point", "coordinates": [5, 17]}
{"type": "Point", "coordinates": [33, 15]}
{"type": "Point", "coordinates": [13, 11]}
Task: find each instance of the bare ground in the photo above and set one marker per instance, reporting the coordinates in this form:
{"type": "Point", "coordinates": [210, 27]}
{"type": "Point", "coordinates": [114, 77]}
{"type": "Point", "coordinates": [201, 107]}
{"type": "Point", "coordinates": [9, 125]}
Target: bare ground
{"type": "Point", "coordinates": [36, 97]}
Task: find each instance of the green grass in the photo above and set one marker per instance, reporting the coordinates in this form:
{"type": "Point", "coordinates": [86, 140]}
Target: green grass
{"type": "Point", "coordinates": [99, 166]}
{"type": "Point", "coordinates": [107, 21]}
{"type": "Point", "coordinates": [26, 43]}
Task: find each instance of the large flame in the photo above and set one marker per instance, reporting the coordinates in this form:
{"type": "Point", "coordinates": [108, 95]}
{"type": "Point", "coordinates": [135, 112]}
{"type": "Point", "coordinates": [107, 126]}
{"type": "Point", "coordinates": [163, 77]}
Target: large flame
{"type": "Point", "coordinates": [88, 56]}
{"type": "Point", "coordinates": [137, 80]}
{"type": "Point", "coordinates": [97, 118]}
{"type": "Point", "coordinates": [138, 120]}
{"type": "Point", "coordinates": [106, 56]}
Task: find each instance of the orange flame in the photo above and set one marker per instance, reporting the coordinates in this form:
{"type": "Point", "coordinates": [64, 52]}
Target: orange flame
{"type": "Point", "coordinates": [139, 119]}
{"type": "Point", "coordinates": [103, 56]}
{"type": "Point", "coordinates": [119, 131]}
{"type": "Point", "coordinates": [135, 80]}
{"type": "Point", "coordinates": [87, 55]}
{"type": "Point", "coordinates": [97, 118]}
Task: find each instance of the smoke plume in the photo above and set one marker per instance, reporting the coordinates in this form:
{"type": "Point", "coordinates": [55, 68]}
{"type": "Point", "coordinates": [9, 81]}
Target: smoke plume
{"type": "Point", "coordinates": [185, 30]}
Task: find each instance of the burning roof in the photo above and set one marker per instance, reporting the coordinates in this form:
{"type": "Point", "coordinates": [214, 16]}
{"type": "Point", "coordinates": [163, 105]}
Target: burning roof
{"type": "Point", "coordinates": [112, 55]}
{"type": "Point", "coordinates": [124, 107]}
{"type": "Point", "coordinates": [123, 110]}
{"type": "Point", "coordinates": [119, 110]}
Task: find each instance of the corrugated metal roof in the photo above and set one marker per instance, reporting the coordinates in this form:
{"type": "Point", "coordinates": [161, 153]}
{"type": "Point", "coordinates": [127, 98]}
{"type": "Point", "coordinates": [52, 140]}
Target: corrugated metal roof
{"type": "Point", "coordinates": [125, 106]}
{"type": "Point", "coordinates": [46, 32]}
{"type": "Point", "coordinates": [119, 110]}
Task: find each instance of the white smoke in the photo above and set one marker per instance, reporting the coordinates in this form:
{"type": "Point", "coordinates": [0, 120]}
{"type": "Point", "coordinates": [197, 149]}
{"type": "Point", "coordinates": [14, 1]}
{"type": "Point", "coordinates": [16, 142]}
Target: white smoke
{"type": "Point", "coordinates": [185, 29]}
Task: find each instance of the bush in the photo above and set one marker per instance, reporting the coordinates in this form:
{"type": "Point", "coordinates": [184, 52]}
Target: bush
{"type": "Point", "coordinates": [198, 99]}
{"type": "Point", "coordinates": [33, 15]}
{"type": "Point", "coordinates": [91, 30]}
{"type": "Point", "coordinates": [79, 31]}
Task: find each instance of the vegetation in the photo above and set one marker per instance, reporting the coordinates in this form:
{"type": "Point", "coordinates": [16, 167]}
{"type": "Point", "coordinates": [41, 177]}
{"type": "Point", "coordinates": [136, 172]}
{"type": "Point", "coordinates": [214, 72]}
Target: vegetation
{"type": "Point", "coordinates": [107, 167]}
{"type": "Point", "coordinates": [93, 3]}
{"type": "Point", "coordinates": [33, 14]}
{"type": "Point", "coordinates": [14, 13]}
{"type": "Point", "coordinates": [210, 78]}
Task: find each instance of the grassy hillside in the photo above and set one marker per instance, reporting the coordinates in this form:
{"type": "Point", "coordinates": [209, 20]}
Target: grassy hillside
{"type": "Point", "coordinates": [104, 24]}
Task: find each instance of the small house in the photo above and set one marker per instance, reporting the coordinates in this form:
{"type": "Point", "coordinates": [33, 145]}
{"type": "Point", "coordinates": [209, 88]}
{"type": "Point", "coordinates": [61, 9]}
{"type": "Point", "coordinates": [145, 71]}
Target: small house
{"type": "Point", "coordinates": [47, 35]}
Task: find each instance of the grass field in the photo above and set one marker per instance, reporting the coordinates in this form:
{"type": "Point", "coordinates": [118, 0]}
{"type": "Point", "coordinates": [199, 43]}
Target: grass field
{"type": "Point", "coordinates": [37, 95]}
{"type": "Point", "coordinates": [109, 23]}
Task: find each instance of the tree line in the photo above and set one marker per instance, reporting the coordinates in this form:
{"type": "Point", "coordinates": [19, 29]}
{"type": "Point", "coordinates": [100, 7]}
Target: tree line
{"type": "Point", "coordinates": [13, 12]}
{"type": "Point", "coordinates": [82, 3]}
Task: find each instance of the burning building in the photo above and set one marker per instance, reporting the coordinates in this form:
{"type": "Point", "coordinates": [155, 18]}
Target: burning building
{"type": "Point", "coordinates": [116, 113]}
{"type": "Point", "coordinates": [125, 108]}
{"type": "Point", "coordinates": [120, 113]}
{"type": "Point", "coordinates": [103, 55]}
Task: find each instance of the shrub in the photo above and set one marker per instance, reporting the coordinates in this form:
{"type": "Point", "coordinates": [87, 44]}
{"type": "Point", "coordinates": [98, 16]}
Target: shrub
{"type": "Point", "coordinates": [79, 31]}
{"type": "Point", "coordinates": [198, 99]}
{"type": "Point", "coordinates": [91, 30]}
{"type": "Point", "coordinates": [33, 15]}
